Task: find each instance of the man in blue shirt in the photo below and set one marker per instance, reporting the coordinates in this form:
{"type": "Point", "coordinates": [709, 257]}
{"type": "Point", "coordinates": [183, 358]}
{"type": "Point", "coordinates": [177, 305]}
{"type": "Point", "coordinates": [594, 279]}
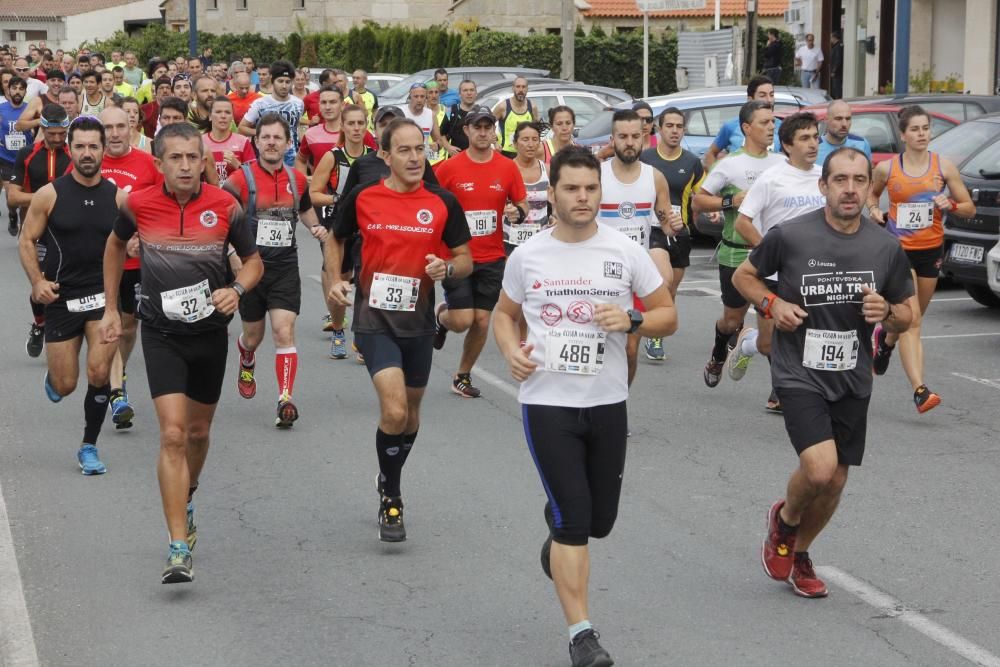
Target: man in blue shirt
{"type": "Point", "coordinates": [449, 96]}
{"type": "Point", "coordinates": [11, 140]}
{"type": "Point", "coordinates": [838, 132]}
{"type": "Point", "coordinates": [730, 138]}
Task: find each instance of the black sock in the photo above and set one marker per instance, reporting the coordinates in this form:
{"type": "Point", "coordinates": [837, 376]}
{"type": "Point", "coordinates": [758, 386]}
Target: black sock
{"type": "Point", "coordinates": [95, 406]}
{"type": "Point", "coordinates": [408, 440]}
{"type": "Point", "coordinates": [721, 343]}
{"type": "Point", "coordinates": [37, 309]}
{"type": "Point", "coordinates": [390, 461]}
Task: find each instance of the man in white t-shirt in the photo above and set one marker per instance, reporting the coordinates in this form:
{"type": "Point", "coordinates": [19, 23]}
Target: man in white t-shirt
{"type": "Point", "coordinates": [809, 60]}
{"type": "Point", "coordinates": [281, 102]}
{"type": "Point", "coordinates": [783, 192]}
{"type": "Point", "coordinates": [416, 109]}
{"type": "Point", "coordinates": [573, 284]}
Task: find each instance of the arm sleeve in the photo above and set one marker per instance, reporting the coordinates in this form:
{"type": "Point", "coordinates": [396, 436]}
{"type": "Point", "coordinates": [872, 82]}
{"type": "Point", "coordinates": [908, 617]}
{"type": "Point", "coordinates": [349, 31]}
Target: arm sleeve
{"type": "Point", "coordinates": [517, 191]}
{"type": "Point", "coordinates": [346, 223]}
{"type": "Point", "coordinates": [456, 229]}
{"type": "Point", "coordinates": [304, 147]}
{"type": "Point", "coordinates": [239, 232]}
{"type": "Point", "coordinates": [19, 167]}
{"type": "Point", "coordinates": [513, 283]}
{"type": "Point", "coordinates": [253, 113]}
{"type": "Point", "coordinates": [766, 257]}
{"type": "Point", "coordinates": [646, 277]}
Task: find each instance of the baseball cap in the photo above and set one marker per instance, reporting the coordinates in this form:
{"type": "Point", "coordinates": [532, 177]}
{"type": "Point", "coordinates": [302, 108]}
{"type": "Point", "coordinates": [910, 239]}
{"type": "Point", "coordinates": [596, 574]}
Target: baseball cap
{"type": "Point", "coordinates": [480, 113]}
{"type": "Point", "coordinates": [385, 111]}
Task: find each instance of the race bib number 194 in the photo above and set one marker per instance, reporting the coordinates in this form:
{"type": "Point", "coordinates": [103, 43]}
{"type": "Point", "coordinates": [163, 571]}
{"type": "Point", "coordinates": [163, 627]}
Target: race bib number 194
{"type": "Point", "coordinates": [830, 350]}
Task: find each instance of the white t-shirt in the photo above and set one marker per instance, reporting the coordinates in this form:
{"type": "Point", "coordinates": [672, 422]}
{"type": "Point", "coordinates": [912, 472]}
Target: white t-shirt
{"type": "Point", "coordinates": [739, 170]}
{"type": "Point", "coordinates": [781, 193]}
{"type": "Point", "coordinates": [811, 58]}
{"type": "Point", "coordinates": [558, 285]}
{"type": "Point", "coordinates": [34, 89]}
{"type": "Point", "coordinates": [425, 120]}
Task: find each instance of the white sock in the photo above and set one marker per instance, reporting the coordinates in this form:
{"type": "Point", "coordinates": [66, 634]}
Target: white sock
{"type": "Point", "coordinates": [749, 346]}
{"type": "Point", "coordinates": [577, 628]}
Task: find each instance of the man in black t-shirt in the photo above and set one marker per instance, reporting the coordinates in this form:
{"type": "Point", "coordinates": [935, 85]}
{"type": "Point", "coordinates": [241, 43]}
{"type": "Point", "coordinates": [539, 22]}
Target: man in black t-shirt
{"type": "Point", "coordinates": [773, 51]}
{"type": "Point", "coordinates": [839, 275]}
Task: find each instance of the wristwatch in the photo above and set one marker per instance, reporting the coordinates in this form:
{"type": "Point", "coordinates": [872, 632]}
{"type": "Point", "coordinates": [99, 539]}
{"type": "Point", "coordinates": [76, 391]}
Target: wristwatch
{"type": "Point", "coordinates": [765, 305]}
{"type": "Point", "coordinates": [239, 289]}
{"type": "Point", "coordinates": [635, 317]}
{"type": "Point", "coordinates": [449, 270]}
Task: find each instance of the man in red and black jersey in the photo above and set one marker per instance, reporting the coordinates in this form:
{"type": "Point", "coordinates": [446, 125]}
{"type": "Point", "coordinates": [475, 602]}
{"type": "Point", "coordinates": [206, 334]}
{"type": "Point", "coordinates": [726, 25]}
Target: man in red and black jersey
{"type": "Point", "coordinates": [484, 182]}
{"type": "Point", "coordinates": [275, 198]}
{"type": "Point", "coordinates": [131, 170]}
{"type": "Point", "coordinates": [34, 166]}
{"type": "Point", "coordinates": [403, 224]}
{"type": "Point", "coordinates": [185, 304]}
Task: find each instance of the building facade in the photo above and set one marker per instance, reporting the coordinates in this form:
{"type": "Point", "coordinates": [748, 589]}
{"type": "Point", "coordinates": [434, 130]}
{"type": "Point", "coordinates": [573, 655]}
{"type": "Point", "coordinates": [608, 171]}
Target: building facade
{"type": "Point", "coordinates": [66, 25]}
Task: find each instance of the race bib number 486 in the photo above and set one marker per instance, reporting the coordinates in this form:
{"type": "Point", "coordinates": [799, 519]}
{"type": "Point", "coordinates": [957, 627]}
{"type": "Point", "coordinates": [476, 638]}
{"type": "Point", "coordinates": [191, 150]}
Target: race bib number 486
{"type": "Point", "coordinates": [575, 351]}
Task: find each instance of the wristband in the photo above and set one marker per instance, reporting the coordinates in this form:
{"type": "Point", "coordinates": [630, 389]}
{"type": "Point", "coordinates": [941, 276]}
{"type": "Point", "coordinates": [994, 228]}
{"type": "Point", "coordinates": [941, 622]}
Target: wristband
{"type": "Point", "coordinates": [239, 289]}
{"type": "Point", "coordinates": [727, 202]}
{"type": "Point", "coordinates": [953, 204]}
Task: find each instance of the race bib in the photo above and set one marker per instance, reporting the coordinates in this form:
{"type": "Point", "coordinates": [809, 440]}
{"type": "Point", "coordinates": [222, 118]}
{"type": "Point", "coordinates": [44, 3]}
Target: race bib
{"type": "Point", "coordinates": [389, 292]}
{"type": "Point", "coordinates": [635, 231]}
{"type": "Point", "coordinates": [914, 215]}
{"type": "Point", "coordinates": [830, 350]}
{"type": "Point", "coordinates": [85, 304]}
{"type": "Point", "coordinates": [521, 233]}
{"type": "Point", "coordinates": [481, 223]}
{"type": "Point", "coordinates": [188, 304]}
{"type": "Point", "coordinates": [274, 233]}
{"type": "Point", "coordinates": [14, 142]}
{"type": "Point", "coordinates": [574, 351]}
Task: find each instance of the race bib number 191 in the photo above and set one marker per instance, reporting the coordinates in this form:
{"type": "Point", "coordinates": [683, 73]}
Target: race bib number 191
{"type": "Point", "coordinates": [830, 350]}
{"type": "Point", "coordinates": [575, 351]}
{"type": "Point", "coordinates": [481, 223]}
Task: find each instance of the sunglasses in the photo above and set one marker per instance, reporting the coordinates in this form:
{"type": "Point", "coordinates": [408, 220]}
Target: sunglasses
{"type": "Point", "coordinates": [20, 69]}
{"type": "Point", "coordinates": [647, 119]}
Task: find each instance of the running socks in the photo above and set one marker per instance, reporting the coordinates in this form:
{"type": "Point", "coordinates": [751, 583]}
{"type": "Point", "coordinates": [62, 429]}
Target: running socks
{"type": "Point", "coordinates": [721, 343]}
{"type": "Point", "coordinates": [390, 460]}
{"type": "Point", "coordinates": [95, 407]}
{"type": "Point", "coordinates": [38, 312]}
{"type": "Point", "coordinates": [408, 440]}
{"type": "Point", "coordinates": [286, 362]}
{"type": "Point", "coordinates": [749, 346]}
{"type": "Point", "coordinates": [577, 628]}
{"type": "Point", "coordinates": [246, 356]}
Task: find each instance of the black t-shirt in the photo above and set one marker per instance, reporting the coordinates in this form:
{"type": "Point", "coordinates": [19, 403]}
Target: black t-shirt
{"type": "Point", "coordinates": [823, 270]}
{"type": "Point", "coordinates": [684, 173]}
{"type": "Point", "coordinates": [453, 127]}
{"type": "Point", "coordinates": [772, 55]}
{"type": "Point", "coordinates": [36, 165]}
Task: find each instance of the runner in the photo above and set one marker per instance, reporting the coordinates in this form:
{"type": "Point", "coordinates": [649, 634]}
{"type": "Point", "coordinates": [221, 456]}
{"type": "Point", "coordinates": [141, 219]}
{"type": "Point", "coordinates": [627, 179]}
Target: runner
{"type": "Point", "coordinates": [723, 190]}
{"type": "Point", "coordinates": [12, 140]}
{"type": "Point", "coordinates": [186, 307]}
{"type": "Point", "coordinates": [454, 127]}
{"type": "Point", "coordinates": [360, 80]}
{"type": "Point", "coordinates": [562, 120]}
{"type": "Point", "coordinates": [228, 149]}
{"type": "Point", "coordinates": [151, 111]}
{"type": "Point", "coordinates": [786, 191]}
{"type": "Point", "coordinates": [136, 138]}
{"type": "Point", "coordinates": [321, 138]}
{"type": "Point", "coordinates": [74, 213]}
{"type": "Point", "coordinates": [326, 189]}
{"type": "Point", "coordinates": [449, 96]}
{"type": "Point", "coordinates": [483, 182]}
{"type": "Point", "coordinates": [181, 87]}
{"type": "Point", "coordinates": [174, 110]}
{"type": "Point", "coordinates": [200, 110]}
{"type": "Point", "coordinates": [838, 132]}
{"type": "Point", "coordinates": [573, 373]}
{"type": "Point", "coordinates": [311, 100]}
{"type": "Point", "coordinates": [242, 96]}
{"type": "Point", "coordinates": [511, 112]}
{"type": "Point", "coordinates": [275, 198]}
{"type": "Point", "coordinates": [289, 107]}
{"type": "Point", "coordinates": [649, 140]}
{"type": "Point", "coordinates": [916, 180]}
{"type": "Point", "coordinates": [131, 170]}
{"type": "Point", "coordinates": [633, 195]}
{"type": "Point", "coordinates": [417, 111]}
{"type": "Point", "coordinates": [69, 100]}
{"type": "Point", "coordinates": [730, 137]}
{"type": "Point", "coordinates": [439, 113]}
{"type": "Point", "coordinates": [394, 303]}
{"type": "Point", "coordinates": [92, 100]}
{"type": "Point", "coordinates": [264, 85]}
{"type": "Point", "coordinates": [31, 116]}
{"type": "Point", "coordinates": [838, 277]}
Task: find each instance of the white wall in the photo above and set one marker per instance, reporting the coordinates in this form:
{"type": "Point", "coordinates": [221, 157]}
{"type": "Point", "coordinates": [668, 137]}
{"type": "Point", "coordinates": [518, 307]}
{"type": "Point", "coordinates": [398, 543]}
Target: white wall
{"type": "Point", "coordinates": [103, 23]}
{"type": "Point", "coordinates": [947, 39]}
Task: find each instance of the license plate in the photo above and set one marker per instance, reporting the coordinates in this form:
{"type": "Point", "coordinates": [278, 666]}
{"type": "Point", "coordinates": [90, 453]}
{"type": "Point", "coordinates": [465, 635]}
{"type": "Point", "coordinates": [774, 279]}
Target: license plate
{"type": "Point", "coordinates": [962, 252]}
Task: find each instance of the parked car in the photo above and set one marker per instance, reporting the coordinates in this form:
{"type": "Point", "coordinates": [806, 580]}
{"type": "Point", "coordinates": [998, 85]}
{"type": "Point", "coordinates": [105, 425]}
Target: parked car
{"type": "Point", "coordinates": [587, 102]}
{"type": "Point", "coordinates": [399, 91]}
{"type": "Point", "coordinates": [377, 82]}
{"type": "Point", "coordinates": [974, 147]}
{"type": "Point", "coordinates": [959, 107]}
{"type": "Point", "coordinates": [502, 89]}
{"type": "Point", "coordinates": [993, 270]}
{"type": "Point", "coordinates": [878, 124]}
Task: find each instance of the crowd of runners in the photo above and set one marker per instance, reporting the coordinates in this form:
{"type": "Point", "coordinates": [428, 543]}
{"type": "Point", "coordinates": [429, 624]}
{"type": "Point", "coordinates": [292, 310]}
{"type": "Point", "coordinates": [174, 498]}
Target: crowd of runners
{"type": "Point", "coordinates": [178, 196]}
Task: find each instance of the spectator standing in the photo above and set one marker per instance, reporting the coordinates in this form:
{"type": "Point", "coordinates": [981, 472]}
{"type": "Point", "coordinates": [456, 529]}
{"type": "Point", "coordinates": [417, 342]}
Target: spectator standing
{"type": "Point", "coordinates": [836, 65]}
{"type": "Point", "coordinates": [773, 53]}
{"type": "Point", "coordinates": [809, 59]}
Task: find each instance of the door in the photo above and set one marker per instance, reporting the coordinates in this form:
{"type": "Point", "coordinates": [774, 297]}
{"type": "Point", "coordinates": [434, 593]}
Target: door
{"type": "Point", "coordinates": [886, 42]}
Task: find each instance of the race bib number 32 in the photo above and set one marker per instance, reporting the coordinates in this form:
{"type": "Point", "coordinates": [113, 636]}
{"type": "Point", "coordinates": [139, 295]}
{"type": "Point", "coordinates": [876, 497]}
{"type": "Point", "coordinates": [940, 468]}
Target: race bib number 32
{"type": "Point", "coordinates": [188, 304]}
{"type": "Point", "coordinates": [830, 350]}
{"type": "Point", "coordinates": [575, 351]}
{"type": "Point", "coordinates": [399, 293]}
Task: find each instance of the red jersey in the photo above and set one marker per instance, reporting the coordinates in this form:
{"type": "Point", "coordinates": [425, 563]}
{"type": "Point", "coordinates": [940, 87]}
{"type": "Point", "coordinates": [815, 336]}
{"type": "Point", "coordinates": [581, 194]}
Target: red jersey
{"type": "Point", "coordinates": [311, 102]}
{"type": "Point", "coordinates": [131, 172]}
{"type": "Point", "coordinates": [317, 142]}
{"type": "Point", "coordinates": [240, 145]}
{"type": "Point", "coordinates": [242, 104]}
{"type": "Point", "coordinates": [483, 189]}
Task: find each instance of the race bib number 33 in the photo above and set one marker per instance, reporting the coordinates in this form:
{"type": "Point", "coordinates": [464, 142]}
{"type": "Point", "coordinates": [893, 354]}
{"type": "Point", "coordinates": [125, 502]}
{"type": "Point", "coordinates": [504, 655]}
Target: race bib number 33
{"type": "Point", "coordinates": [830, 350]}
{"type": "Point", "coordinates": [575, 351]}
{"type": "Point", "coordinates": [390, 292]}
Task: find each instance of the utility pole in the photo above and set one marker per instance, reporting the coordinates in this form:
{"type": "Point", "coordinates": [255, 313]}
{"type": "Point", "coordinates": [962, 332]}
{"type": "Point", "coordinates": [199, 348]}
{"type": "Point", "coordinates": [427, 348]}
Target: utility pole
{"type": "Point", "coordinates": [193, 28]}
{"type": "Point", "coordinates": [568, 40]}
{"type": "Point", "coordinates": [901, 78]}
{"type": "Point", "coordinates": [751, 39]}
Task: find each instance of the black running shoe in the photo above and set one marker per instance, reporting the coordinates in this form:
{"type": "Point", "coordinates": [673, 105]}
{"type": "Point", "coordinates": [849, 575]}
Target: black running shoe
{"type": "Point", "coordinates": [462, 385]}
{"type": "Point", "coordinates": [882, 352]}
{"type": "Point", "coordinates": [586, 651]}
{"type": "Point", "coordinates": [390, 520]}
{"type": "Point", "coordinates": [440, 333]}
{"type": "Point", "coordinates": [12, 226]}
{"type": "Point", "coordinates": [36, 340]}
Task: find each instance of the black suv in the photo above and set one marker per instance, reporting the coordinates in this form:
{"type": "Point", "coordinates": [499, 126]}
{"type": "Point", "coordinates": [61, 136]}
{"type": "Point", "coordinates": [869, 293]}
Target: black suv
{"type": "Point", "coordinates": [974, 147]}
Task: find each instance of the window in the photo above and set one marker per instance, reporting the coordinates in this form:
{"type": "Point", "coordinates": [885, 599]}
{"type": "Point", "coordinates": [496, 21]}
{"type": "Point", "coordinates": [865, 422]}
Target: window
{"type": "Point", "coordinates": [956, 110]}
{"type": "Point", "coordinates": [298, 4]}
{"type": "Point", "coordinates": [694, 123]}
{"type": "Point", "coordinates": [542, 103]}
{"type": "Point", "coordinates": [212, 4]}
{"type": "Point", "coordinates": [877, 128]}
{"type": "Point", "coordinates": [241, 4]}
{"type": "Point", "coordinates": [987, 159]}
{"type": "Point", "coordinates": [939, 125]}
{"type": "Point", "coordinates": [585, 107]}
{"type": "Point", "coordinates": [716, 116]}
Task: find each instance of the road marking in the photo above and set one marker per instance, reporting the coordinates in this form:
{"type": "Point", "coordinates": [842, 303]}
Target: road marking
{"type": "Point", "coordinates": [893, 608]}
{"type": "Point", "coordinates": [989, 383]}
{"type": "Point", "coordinates": [17, 643]}
{"type": "Point", "coordinates": [317, 279]}
{"type": "Point", "coordinates": [502, 385]}
{"type": "Point", "coordinates": [972, 335]}
{"type": "Point", "coordinates": [953, 298]}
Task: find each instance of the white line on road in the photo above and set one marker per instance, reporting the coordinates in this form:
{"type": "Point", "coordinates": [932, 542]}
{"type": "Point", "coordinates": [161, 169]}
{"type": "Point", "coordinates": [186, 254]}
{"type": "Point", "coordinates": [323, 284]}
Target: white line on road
{"type": "Point", "coordinates": [503, 386]}
{"type": "Point", "coordinates": [17, 643]}
{"type": "Point", "coordinates": [972, 335]}
{"type": "Point", "coordinates": [894, 608]}
{"type": "Point", "coordinates": [953, 298]}
{"type": "Point", "coordinates": [989, 383]}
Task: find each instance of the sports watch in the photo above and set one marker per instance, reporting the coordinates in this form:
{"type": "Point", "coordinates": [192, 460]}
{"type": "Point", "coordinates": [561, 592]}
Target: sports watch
{"type": "Point", "coordinates": [765, 305]}
{"type": "Point", "coordinates": [635, 317]}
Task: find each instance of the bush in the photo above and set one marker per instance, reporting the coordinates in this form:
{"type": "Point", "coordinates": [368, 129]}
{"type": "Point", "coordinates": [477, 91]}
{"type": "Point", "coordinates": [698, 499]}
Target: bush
{"type": "Point", "coordinates": [156, 40]}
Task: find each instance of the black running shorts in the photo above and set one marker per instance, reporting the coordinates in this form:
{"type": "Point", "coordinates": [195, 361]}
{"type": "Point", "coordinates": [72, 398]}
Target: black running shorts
{"type": "Point", "coordinates": [731, 297]}
{"type": "Point", "coordinates": [60, 324]}
{"type": "Point", "coordinates": [191, 365]}
{"type": "Point", "coordinates": [412, 355]}
{"type": "Point", "coordinates": [128, 290]}
{"type": "Point", "coordinates": [926, 263]}
{"type": "Point", "coordinates": [811, 419]}
{"type": "Point", "coordinates": [678, 247]}
{"type": "Point", "coordinates": [480, 290]}
{"type": "Point", "coordinates": [280, 287]}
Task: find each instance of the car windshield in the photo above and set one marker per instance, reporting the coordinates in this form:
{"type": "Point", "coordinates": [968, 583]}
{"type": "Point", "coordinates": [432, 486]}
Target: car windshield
{"type": "Point", "coordinates": [402, 87]}
{"type": "Point", "coordinates": [985, 161]}
{"type": "Point", "coordinates": [599, 126]}
{"type": "Point", "coordinates": [959, 143]}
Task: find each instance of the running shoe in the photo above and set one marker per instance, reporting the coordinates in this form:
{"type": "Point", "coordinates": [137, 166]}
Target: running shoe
{"type": "Point", "coordinates": [773, 405]}
{"type": "Point", "coordinates": [90, 463]}
{"type": "Point", "coordinates": [881, 351]}
{"type": "Point", "coordinates": [713, 372]}
{"type": "Point", "coordinates": [178, 570]}
{"type": "Point", "coordinates": [192, 536]}
{"type": "Point", "coordinates": [36, 340]}
{"type": "Point", "coordinates": [328, 323]}
{"type": "Point", "coordinates": [777, 552]}
{"type": "Point", "coordinates": [245, 382]}
{"type": "Point", "coordinates": [390, 520]}
{"type": "Point", "coordinates": [462, 385]}
{"type": "Point", "coordinates": [654, 349]}
{"type": "Point", "coordinates": [737, 362]}
{"type": "Point", "coordinates": [50, 390]}
{"type": "Point", "coordinates": [546, 557]}
{"type": "Point", "coordinates": [338, 344]}
{"type": "Point", "coordinates": [440, 332]}
{"type": "Point", "coordinates": [122, 413]}
{"type": "Point", "coordinates": [287, 413]}
{"type": "Point", "coordinates": [586, 651]}
{"type": "Point", "coordinates": [12, 225]}
{"type": "Point", "coordinates": [804, 581]}
{"type": "Point", "coordinates": [358, 357]}
{"type": "Point", "coordinates": [925, 399]}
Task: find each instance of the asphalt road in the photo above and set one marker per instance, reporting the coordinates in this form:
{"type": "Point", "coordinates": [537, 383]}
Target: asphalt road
{"type": "Point", "coordinates": [289, 570]}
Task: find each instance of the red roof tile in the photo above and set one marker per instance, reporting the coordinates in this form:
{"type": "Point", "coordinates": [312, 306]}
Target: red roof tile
{"type": "Point", "coordinates": [628, 8]}
{"type": "Point", "coordinates": [12, 8]}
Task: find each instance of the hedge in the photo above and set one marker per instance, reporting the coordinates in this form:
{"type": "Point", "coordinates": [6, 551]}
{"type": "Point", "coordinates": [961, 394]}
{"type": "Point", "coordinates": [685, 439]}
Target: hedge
{"type": "Point", "coordinates": [376, 48]}
{"type": "Point", "coordinates": [156, 40]}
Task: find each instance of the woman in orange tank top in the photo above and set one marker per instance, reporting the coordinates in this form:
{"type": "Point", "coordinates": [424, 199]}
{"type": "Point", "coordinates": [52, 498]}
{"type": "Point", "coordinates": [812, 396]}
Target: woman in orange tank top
{"type": "Point", "coordinates": [916, 181]}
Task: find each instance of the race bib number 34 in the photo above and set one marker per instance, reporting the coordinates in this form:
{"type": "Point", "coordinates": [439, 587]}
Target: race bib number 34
{"type": "Point", "coordinates": [399, 293]}
{"type": "Point", "coordinates": [274, 233]}
{"type": "Point", "coordinates": [481, 223]}
{"type": "Point", "coordinates": [914, 215]}
{"type": "Point", "coordinates": [575, 351]}
{"type": "Point", "coordinates": [830, 350]}
{"type": "Point", "coordinates": [188, 304]}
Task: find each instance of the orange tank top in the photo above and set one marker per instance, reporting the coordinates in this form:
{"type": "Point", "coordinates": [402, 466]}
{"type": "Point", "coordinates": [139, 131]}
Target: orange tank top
{"type": "Point", "coordinates": [913, 217]}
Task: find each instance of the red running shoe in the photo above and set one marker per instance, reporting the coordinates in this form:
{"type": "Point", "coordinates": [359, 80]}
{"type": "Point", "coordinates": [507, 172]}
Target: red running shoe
{"type": "Point", "coordinates": [804, 581]}
{"type": "Point", "coordinates": [779, 546]}
{"type": "Point", "coordinates": [245, 382]}
{"type": "Point", "coordinates": [925, 399]}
